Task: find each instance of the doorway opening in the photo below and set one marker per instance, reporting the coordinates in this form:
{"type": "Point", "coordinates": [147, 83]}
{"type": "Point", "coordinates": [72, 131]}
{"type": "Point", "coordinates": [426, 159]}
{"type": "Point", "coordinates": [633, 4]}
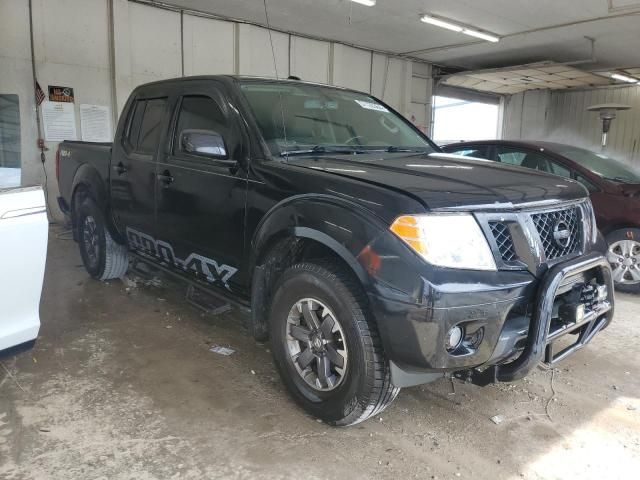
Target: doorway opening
{"type": "Point", "coordinates": [456, 120]}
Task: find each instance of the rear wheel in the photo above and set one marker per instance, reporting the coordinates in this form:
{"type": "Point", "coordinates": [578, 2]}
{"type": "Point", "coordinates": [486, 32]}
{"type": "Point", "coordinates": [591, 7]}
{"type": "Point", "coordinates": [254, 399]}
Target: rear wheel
{"type": "Point", "coordinates": [102, 256]}
{"type": "Point", "coordinates": [326, 345]}
{"type": "Point", "coordinates": [623, 255]}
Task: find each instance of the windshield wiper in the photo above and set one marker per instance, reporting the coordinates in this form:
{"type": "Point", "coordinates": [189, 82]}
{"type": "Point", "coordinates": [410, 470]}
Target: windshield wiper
{"type": "Point", "coordinates": [394, 149]}
{"type": "Point", "coordinates": [618, 179]}
{"type": "Point", "coordinates": [319, 149]}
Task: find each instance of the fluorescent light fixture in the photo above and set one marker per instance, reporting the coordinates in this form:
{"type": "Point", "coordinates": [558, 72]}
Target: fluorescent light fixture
{"type": "Point", "coordinates": [441, 23]}
{"type": "Point", "coordinates": [482, 35]}
{"type": "Point", "coordinates": [624, 78]}
{"type": "Point", "coordinates": [367, 3]}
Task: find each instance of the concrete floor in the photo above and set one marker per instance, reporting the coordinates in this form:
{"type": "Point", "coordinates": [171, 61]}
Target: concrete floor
{"type": "Point", "coordinates": [122, 385]}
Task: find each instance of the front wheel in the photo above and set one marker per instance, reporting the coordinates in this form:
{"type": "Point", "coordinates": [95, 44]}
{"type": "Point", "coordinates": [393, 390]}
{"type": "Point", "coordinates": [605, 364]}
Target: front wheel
{"type": "Point", "coordinates": [102, 256]}
{"type": "Point", "coordinates": [623, 255]}
{"type": "Point", "coordinates": [326, 345]}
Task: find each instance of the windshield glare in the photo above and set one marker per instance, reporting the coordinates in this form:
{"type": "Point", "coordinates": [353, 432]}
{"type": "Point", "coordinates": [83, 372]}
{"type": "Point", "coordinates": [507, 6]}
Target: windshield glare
{"type": "Point", "coordinates": [322, 119]}
{"type": "Point", "coordinates": [601, 165]}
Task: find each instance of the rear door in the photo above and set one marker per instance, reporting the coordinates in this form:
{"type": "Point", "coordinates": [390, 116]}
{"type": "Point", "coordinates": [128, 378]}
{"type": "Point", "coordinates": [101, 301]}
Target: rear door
{"type": "Point", "coordinates": [133, 174]}
{"type": "Point", "coordinates": [202, 188]}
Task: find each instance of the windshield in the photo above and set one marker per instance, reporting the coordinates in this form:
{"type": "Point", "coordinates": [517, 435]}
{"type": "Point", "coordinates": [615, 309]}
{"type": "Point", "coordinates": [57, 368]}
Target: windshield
{"type": "Point", "coordinates": [320, 119]}
{"type": "Point", "coordinates": [601, 164]}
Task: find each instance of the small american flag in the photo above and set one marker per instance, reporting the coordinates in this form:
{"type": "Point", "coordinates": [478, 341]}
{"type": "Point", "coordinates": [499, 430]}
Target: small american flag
{"type": "Point", "coordinates": [39, 94]}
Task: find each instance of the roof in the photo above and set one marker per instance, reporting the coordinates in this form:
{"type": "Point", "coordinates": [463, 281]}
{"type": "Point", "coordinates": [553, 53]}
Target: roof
{"type": "Point", "coordinates": [511, 143]}
{"type": "Point", "coordinates": [240, 78]}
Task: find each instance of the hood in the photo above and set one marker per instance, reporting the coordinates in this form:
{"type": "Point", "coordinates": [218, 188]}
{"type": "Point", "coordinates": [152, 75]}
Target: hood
{"type": "Point", "coordinates": [444, 181]}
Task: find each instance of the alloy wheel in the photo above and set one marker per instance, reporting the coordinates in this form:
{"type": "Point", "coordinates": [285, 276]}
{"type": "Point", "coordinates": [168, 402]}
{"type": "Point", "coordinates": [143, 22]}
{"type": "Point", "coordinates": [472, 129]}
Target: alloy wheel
{"type": "Point", "coordinates": [91, 240]}
{"type": "Point", "coordinates": [316, 344]}
{"type": "Point", "coordinates": [624, 258]}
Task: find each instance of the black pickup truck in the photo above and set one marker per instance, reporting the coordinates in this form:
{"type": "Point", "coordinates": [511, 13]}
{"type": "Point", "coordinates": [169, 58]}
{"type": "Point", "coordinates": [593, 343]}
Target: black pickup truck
{"type": "Point", "coordinates": [368, 258]}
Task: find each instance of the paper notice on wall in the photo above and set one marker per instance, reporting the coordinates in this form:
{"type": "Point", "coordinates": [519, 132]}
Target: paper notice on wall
{"type": "Point", "coordinates": [59, 121]}
{"type": "Point", "coordinates": [95, 123]}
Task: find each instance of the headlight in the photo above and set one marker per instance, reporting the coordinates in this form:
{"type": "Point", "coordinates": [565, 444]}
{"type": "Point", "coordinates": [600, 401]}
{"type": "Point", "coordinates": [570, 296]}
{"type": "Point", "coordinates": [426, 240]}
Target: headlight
{"type": "Point", "coordinates": [447, 240]}
{"type": "Point", "coordinates": [592, 228]}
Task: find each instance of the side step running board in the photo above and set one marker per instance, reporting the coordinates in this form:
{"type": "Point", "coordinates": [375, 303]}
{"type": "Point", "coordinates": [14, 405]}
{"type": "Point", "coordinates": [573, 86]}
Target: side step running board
{"type": "Point", "coordinates": [205, 301]}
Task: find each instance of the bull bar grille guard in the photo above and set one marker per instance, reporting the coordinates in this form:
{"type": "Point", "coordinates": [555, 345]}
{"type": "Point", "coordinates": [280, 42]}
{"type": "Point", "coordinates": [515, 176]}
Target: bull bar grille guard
{"type": "Point", "coordinates": [539, 344]}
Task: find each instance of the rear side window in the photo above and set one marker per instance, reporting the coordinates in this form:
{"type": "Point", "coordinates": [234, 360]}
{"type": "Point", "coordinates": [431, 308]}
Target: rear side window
{"type": "Point", "coordinates": [510, 156]}
{"type": "Point", "coordinates": [558, 169]}
{"type": "Point", "coordinates": [477, 152]}
{"type": "Point", "coordinates": [586, 183]}
{"type": "Point", "coordinates": [151, 124]}
{"type": "Point", "coordinates": [143, 134]}
{"type": "Point", "coordinates": [134, 126]}
{"type": "Point", "coordinates": [524, 158]}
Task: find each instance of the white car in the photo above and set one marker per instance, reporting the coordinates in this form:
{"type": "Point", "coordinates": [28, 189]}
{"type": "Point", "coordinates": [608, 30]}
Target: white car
{"type": "Point", "coordinates": [24, 231]}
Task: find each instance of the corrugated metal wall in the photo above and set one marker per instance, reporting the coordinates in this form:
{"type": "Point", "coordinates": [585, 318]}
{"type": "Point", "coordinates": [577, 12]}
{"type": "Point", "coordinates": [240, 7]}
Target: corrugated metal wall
{"type": "Point", "coordinates": [563, 117]}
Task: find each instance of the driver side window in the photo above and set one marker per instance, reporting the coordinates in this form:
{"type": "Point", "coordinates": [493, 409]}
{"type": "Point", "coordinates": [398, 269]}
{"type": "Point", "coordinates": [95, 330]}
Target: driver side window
{"type": "Point", "coordinates": [201, 114]}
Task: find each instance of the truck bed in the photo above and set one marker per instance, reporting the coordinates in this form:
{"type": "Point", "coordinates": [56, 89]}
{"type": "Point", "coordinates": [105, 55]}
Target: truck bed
{"type": "Point", "coordinates": [75, 155]}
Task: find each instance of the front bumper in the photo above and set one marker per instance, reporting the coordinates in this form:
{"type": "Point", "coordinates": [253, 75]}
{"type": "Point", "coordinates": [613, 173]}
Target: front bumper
{"type": "Point", "coordinates": [520, 319]}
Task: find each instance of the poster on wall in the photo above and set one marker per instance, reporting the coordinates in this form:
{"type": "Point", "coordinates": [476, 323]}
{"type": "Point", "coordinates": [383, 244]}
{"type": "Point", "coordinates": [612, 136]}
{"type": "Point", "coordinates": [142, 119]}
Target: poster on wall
{"type": "Point", "coordinates": [59, 121]}
{"type": "Point", "coordinates": [94, 123]}
{"type": "Point", "coordinates": [61, 94]}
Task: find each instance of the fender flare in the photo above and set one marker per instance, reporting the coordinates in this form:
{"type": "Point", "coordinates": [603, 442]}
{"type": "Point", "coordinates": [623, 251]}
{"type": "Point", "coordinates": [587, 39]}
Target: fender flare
{"type": "Point", "coordinates": [89, 178]}
{"type": "Point", "coordinates": [290, 218]}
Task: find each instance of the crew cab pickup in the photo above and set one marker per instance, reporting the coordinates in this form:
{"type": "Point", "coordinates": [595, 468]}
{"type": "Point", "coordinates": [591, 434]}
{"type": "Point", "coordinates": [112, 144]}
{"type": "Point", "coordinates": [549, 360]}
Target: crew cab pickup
{"type": "Point", "coordinates": [369, 259]}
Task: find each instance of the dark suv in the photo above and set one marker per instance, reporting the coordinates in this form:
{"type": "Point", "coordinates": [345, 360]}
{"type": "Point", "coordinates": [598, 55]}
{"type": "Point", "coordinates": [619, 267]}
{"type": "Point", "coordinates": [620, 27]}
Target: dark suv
{"type": "Point", "coordinates": [614, 189]}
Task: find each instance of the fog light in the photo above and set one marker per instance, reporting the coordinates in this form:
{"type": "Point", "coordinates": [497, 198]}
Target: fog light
{"type": "Point", "coordinates": [454, 338]}
{"type": "Point", "coordinates": [602, 293]}
{"type": "Point", "coordinates": [473, 340]}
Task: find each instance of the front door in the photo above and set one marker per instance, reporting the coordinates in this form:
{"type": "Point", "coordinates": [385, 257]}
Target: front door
{"type": "Point", "coordinates": [201, 195]}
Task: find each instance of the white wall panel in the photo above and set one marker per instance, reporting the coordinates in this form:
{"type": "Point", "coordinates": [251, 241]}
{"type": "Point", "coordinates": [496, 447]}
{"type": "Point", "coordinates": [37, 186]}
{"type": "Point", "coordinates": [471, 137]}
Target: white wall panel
{"type": "Point", "coordinates": [391, 81]}
{"type": "Point", "coordinates": [419, 90]}
{"type": "Point", "coordinates": [15, 79]}
{"type": "Point", "coordinates": [14, 37]}
{"type": "Point", "coordinates": [147, 46]}
{"type": "Point", "coordinates": [351, 67]}
{"type": "Point", "coordinates": [69, 53]}
{"type": "Point", "coordinates": [255, 54]}
{"type": "Point", "coordinates": [310, 59]}
{"type": "Point", "coordinates": [155, 43]}
{"type": "Point", "coordinates": [209, 46]}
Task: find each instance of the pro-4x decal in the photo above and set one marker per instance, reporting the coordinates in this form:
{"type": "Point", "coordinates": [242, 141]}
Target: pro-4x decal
{"type": "Point", "coordinates": [162, 251]}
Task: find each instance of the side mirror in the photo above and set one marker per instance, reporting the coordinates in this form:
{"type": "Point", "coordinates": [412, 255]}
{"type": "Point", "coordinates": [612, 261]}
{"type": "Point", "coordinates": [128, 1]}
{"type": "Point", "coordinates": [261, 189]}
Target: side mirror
{"type": "Point", "coordinates": [206, 143]}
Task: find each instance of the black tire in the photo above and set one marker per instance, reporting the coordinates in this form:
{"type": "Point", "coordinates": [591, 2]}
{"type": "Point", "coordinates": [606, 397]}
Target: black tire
{"type": "Point", "coordinates": [630, 238]}
{"type": "Point", "coordinates": [103, 257]}
{"type": "Point", "coordinates": [365, 388]}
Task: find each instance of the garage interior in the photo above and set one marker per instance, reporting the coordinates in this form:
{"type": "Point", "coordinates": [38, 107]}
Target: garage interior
{"type": "Point", "coordinates": [122, 383]}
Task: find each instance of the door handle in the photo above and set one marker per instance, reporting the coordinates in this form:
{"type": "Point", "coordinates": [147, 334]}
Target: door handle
{"type": "Point", "coordinates": [166, 178]}
{"type": "Point", "coordinates": [120, 168]}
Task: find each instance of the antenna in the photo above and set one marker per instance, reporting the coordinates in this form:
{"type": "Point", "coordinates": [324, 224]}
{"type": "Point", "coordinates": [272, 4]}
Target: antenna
{"type": "Point", "coordinates": [273, 50]}
{"type": "Point", "coordinates": [275, 68]}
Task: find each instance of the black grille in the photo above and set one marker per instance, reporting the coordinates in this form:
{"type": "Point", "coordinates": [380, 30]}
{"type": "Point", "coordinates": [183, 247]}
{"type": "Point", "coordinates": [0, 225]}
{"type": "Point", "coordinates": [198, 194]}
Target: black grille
{"type": "Point", "coordinates": [559, 232]}
{"type": "Point", "coordinates": [504, 242]}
